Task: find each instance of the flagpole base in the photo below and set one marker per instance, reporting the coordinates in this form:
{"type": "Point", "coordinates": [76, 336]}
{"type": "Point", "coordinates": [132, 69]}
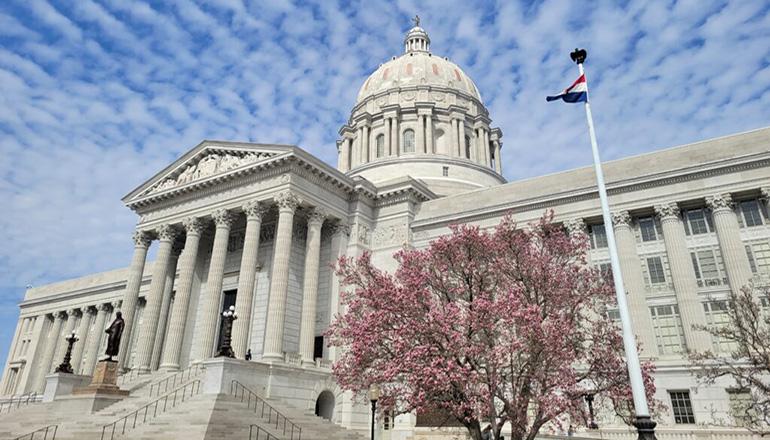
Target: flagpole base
{"type": "Point", "coordinates": [645, 427]}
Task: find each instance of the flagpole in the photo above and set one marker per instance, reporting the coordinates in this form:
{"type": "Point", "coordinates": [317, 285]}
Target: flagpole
{"type": "Point", "coordinates": [643, 422]}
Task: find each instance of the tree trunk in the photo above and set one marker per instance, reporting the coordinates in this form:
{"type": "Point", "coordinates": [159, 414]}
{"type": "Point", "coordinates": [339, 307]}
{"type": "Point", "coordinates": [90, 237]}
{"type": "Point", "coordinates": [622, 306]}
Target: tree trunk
{"type": "Point", "coordinates": [474, 429]}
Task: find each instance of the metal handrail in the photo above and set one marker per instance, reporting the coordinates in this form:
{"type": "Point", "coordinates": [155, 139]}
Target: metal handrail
{"type": "Point", "coordinates": [44, 431]}
{"type": "Point", "coordinates": [259, 431]}
{"type": "Point", "coordinates": [161, 403]}
{"type": "Point", "coordinates": [171, 381]}
{"type": "Point", "coordinates": [18, 401]}
{"type": "Point", "coordinates": [273, 415]}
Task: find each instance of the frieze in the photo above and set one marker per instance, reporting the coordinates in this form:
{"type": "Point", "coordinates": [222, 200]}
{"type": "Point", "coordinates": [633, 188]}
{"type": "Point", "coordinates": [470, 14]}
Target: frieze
{"type": "Point", "coordinates": [392, 235]}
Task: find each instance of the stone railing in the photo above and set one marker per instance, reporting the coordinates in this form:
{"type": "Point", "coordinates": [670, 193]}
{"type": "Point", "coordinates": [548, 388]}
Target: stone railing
{"type": "Point", "coordinates": [292, 358]}
{"type": "Point", "coordinates": [323, 363]}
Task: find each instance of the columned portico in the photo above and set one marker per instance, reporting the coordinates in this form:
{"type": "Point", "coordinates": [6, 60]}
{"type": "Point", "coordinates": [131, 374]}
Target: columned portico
{"type": "Point", "coordinates": [244, 300]}
{"type": "Point", "coordinates": [166, 235]}
{"type": "Point", "coordinates": [163, 318]}
{"type": "Point", "coordinates": [683, 277]}
{"type": "Point", "coordinates": [287, 203]}
{"type": "Point", "coordinates": [316, 218]}
{"type": "Point", "coordinates": [131, 296]}
{"type": "Point", "coordinates": [173, 348]}
{"type": "Point", "coordinates": [211, 297]}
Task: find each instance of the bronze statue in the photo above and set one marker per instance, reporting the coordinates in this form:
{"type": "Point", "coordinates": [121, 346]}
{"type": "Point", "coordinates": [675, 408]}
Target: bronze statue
{"type": "Point", "coordinates": [115, 332]}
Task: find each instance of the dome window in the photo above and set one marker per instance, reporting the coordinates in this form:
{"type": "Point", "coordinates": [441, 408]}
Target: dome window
{"type": "Point", "coordinates": [409, 69]}
{"type": "Point", "coordinates": [467, 147]}
{"type": "Point", "coordinates": [380, 143]}
{"type": "Point", "coordinates": [409, 141]}
{"type": "Point", "coordinates": [435, 70]}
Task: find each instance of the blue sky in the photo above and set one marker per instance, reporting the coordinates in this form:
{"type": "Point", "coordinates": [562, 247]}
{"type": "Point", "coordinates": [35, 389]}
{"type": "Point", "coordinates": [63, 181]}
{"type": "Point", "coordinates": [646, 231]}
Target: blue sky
{"type": "Point", "coordinates": [95, 97]}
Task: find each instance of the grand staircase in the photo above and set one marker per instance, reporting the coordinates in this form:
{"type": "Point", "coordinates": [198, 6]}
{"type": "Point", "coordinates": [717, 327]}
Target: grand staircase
{"type": "Point", "coordinates": [156, 410]}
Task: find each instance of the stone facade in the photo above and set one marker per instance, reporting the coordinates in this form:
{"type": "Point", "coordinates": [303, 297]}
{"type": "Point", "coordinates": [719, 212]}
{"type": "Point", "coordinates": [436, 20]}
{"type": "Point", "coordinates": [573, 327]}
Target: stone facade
{"type": "Point", "coordinates": [258, 226]}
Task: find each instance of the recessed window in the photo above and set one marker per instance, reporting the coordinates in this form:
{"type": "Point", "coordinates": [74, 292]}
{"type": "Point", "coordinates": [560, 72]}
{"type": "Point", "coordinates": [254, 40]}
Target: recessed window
{"type": "Point", "coordinates": [697, 221]}
{"type": "Point", "coordinates": [380, 143]}
{"type": "Point", "coordinates": [669, 334]}
{"type": "Point", "coordinates": [751, 211]}
{"type": "Point", "coordinates": [598, 236]}
{"type": "Point", "coordinates": [682, 407]}
{"type": "Point", "coordinates": [647, 229]}
{"type": "Point", "coordinates": [655, 269]}
{"type": "Point", "coordinates": [467, 147]}
{"type": "Point", "coordinates": [445, 171]}
{"type": "Point", "coordinates": [759, 256]}
{"type": "Point", "coordinates": [706, 264]}
{"type": "Point", "coordinates": [409, 141]}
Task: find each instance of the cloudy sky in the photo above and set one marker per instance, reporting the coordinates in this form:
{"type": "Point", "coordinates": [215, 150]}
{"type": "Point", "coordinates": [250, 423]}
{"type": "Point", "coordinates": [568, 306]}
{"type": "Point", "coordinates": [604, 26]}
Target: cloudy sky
{"type": "Point", "coordinates": [95, 97]}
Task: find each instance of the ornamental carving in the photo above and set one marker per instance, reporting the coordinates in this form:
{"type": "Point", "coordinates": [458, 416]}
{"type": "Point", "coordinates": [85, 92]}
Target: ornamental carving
{"type": "Point", "coordinates": [193, 225]}
{"type": "Point", "coordinates": [719, 202]}
{"type": "Point", "coordinates": [104, 307]}
{"type": "Point", "coordinates": [142, 238]}
{"type": "Point", "coordinates": [254, 210]}
{"type": "Point", "coordinates": [340, 228]}
{"type": "Point", "coordinates": [667, 211]}
{"type": "Point", "coordinates": [222, 218]}
{"type": "Point", "coordinates": [576, 226]}
{"type": "Point", "coordinates": [213, 163]}
{"type": "Point", "coordinates": [287, 201]}
{"type": "Point", "coordinates": [316, 216]}
{"type": "Point", "coordinates": [166, 232]}
{"type": "Point", "coordinates": [765, 190]}
{"type": "Point", "coordinates": [392, 235]}
{"type": "Point", "coordinates": [621, 218]}
{"type": "Point", "coordinates": [363, 234]}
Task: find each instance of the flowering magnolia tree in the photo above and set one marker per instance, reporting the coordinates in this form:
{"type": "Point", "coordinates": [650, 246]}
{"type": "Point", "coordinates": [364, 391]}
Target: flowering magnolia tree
{"type": "Point", "coordinates": [746, 334]}
{"type": "Point", "coordinates": [491, 327]}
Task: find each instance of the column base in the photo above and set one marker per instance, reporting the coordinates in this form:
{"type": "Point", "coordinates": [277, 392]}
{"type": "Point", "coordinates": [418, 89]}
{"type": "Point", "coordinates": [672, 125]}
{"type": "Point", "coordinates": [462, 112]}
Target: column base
{"type": "Point", "coordinates": [169, 368]}
{"type": "Point", "coordinates": [272, 357]}
{"type": "Point", "coordinates": [645, 427]}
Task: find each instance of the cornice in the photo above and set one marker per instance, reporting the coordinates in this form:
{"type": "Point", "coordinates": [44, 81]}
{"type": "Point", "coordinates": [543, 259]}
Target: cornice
{"type": "Point", "coordinates": [415, 88]}
{"type": "Point", "coordinates": [654, 180]}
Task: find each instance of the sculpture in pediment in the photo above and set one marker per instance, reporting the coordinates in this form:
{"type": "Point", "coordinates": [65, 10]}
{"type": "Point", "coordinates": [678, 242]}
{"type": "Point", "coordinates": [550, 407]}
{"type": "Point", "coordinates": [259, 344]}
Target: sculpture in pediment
{"type": "Point", "coordinates": [212, 163]}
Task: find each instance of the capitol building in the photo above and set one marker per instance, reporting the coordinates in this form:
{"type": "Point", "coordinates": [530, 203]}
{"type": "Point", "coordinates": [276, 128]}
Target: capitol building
{"type": "Point", "coordinates": [258, 226]}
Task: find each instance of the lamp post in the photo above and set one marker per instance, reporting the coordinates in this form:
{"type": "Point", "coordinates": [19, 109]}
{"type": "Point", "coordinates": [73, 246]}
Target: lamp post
{"type": "Point", "coordinates": [589, 397]}
{"type": "Point", "coordinates": [226, 349]}
{"type": "Point", "coordinates": [65, 366]}
{"type": "Point", "coordinates": [374, 396]}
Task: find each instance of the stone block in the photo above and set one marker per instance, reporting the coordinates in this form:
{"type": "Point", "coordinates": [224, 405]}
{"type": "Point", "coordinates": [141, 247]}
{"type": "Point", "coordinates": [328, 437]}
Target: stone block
{"type": "Point", "coordinates": [62, 384]}
{"type": "Point", "coordinates": [104, 381]}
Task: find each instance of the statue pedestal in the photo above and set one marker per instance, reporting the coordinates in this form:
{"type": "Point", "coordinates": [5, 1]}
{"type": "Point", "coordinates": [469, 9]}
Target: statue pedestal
{"type": "Point", "coordinates": [62, 384]}
{"type": "Point", "coordinates": [104, 382]}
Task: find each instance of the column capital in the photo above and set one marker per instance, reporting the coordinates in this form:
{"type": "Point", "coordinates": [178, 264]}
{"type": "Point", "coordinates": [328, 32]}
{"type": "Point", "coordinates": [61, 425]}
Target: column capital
{"type": "Point", "coordinates": [667, 211]}
{"type": "Point", "coordinates": [720, 202]}
{"type": "Point", "coordinates": [91, 310]}
{"type": "Point", "coordinates": [765, 191]}
{"type": "Point", "coordinates": [316, 216]}
{"type": "Point", "coordinates": [287, 201]}
{"type": "Point", "coordinates": [222, 218]}
{"type": "Point", "coordinates": [621, 218]}
{"type": "Point", "coordinates": [254, 210]}
{"type": "Point", "coordinates": [72, 312]}
{"type": "Point", "coordinates": [142, 239]}
{"type": "Point", "coordinates": [103, 307]}
{"type": "Point", "coordinates": [340, 227]}
{"type": "Point", "coordinates": [576, 226]}
{"type": "Point", "coordinates": [116, 305]}
{"type": "Point", "coordinates": [166, 232]}
{"type": "Point", "coordinates": [193, 225]}
{"type": "Point", "coordinates": [60, 315]}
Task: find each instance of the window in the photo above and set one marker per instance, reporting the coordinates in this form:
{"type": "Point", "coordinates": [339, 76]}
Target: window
{"type": "Point", "coordinates": [706, 264]}
{"type": "Point", "coordinates": [655, 269]}
{"type": "Point", "coordinates": [647, 229]}
{"type": "Point", "coordinates": [605, 269]}
{"type": "Point", "coordinates": [613, 315]}
{"type": "Point", "coordinates": [697, 221]}
{"type": "Point", "coordinates": [750, 210]}
{"type": "Point", "coordinates": [682, 407]}
{"type": "Point", "coordinates": [380, 142]}
{"type": "Point", "coordinates": [669, 334]}
{"type": "Point", "coordinates": [445, 171]}
{"type": "Point", "coordinates": [598, 236]}
{"type": "Point", "coordinates": [716, 315]}
{"type": "Point", "coordinates": [467, 147]}
{"type": "Point", "coordinates": [409, 141]}
{"type": "Point", "coordinates": [759, 256]}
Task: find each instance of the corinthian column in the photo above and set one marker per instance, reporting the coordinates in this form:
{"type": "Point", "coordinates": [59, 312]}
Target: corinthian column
{"type": "Point", "coordinates": [683, 277]}
{"type": "Point", "coordinates": [163, 318]}
{"type": "Point", "coordinates": [131, 296]}
{"type": "Point", "coordinates": [204, 346]}
{"type": "Point", "coordinates": [61, 347]}
{"type": "Point", "coordinates": [730, 244]}
{"type": "Point", "coordinates": [631, 268]}
{"type": "Point", "coordinates": [154, 298]}
{"type": "Point", "coordinates": [310, 290]}
{"type": "Point", "coordinates": [50, 349]}
{"type": "Point", "coordinates": [82, 332]}
{"type": "Point", "coordinates": [187, 261]}
{"type": "Point", "coordinates": [244, 299]}
{"type": "Point", "coordinates": [95, 342]}
{"type": "Point", "coordinates": [279, 283]}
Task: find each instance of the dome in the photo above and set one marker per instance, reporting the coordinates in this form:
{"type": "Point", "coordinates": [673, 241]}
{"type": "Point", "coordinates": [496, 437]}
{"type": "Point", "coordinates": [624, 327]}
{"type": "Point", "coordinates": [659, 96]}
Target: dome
{"type": "Point", "coordinates": [417, 67]}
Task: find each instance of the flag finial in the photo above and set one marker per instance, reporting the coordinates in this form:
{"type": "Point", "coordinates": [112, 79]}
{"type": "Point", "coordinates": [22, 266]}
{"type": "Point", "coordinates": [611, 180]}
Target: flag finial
{"type": "Point", "coordinates": [578, 55]}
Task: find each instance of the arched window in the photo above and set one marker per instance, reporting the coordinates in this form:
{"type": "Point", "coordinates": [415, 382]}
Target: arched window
{"type": "Point", "coordinates": [467, 147]}
{"type": "Point", "coordinates": [380, 142]}
{"type": "Point", "coordinates": [409, 141]}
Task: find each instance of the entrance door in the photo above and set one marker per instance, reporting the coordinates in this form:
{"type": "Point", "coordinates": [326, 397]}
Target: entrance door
{"type": "Point", "coordinates": [227, 301]}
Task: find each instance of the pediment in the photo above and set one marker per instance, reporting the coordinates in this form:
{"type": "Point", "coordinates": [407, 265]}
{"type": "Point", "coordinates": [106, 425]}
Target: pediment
{"type": "Point", "coordinates": [205, 162]}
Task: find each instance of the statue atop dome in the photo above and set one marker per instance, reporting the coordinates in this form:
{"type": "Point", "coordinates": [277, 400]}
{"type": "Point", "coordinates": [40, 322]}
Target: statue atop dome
{"type": "Point", "coordinates": [416, 20]}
